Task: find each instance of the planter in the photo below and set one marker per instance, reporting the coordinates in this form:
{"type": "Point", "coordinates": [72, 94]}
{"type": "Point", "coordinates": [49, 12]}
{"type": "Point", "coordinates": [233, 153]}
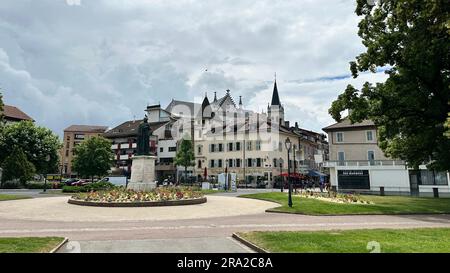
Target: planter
{"type": "Point", "coordinates": [182, 202]}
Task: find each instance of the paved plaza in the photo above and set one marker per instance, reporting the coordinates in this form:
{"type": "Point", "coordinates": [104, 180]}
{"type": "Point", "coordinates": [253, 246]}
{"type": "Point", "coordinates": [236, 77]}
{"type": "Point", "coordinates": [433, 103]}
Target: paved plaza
{"type": "Point", "coordinates": [198, 228]}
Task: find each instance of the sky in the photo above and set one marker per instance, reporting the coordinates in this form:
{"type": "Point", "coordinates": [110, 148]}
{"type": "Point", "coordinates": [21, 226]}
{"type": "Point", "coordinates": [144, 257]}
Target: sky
{"type": "Point", "coordinates": [101, 62]}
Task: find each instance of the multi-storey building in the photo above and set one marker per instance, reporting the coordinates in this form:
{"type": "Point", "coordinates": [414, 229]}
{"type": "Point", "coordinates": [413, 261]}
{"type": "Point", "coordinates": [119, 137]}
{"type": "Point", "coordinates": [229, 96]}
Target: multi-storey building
{"type": "Point", "coordinates": [73, 136]}
{"type": "Point", "coordinates": [12, 114]}
{"type": "Point", "coordinates": [356, 163]}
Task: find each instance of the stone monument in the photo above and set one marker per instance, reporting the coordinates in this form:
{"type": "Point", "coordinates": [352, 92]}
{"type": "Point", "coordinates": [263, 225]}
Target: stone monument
{"type": "Point", "coordinates": [143, 163]}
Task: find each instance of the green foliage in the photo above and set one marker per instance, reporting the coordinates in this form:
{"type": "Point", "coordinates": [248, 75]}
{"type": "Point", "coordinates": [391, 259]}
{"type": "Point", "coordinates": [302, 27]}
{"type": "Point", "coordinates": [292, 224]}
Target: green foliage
{"type": "Point", "coordinates": [37, 143]}
{"type": "Point", "coordinates": [411, 40]}
{"type": "Point", "coordinates": [17, 166]}
{"type": "Point", "coordinates": [185, 155]}
{"type": "Point", "coordinates": [99, 186]}
{"type": "Point", "coordinates": [93, 157]}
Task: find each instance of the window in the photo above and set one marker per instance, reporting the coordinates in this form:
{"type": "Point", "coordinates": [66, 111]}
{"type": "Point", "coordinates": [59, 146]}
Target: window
{"type": "Point", "coordinates": [220, 147]}
{"type": "Point", "coordinates": [67, 145]}
{"type": "Point", "coordinates": [238, 146]}
{"type": "Point", "coordinates": [161, 149]}
{"type": "Point", "coordinates": [249, 162]}
{"type": "Point", "coordinates": [212, 148]}
{"type": "Point", "coordinates": [199, 149]}
{"type": "Point", "coordinates": [238, 163]}
{"type": "Point", "coordinates": [370, 155]}
{"type": "Point", "coordinates": [258, 162]}
{"type": "Point", "coordinates": [339, 137]}
{"type": "Point", "coordinates": [172, 149]}
{"type": "Point", "coordinates": [211, 163]}
{"type": "Point", "coordinates": [79, 136]}
{"type": "Point", "coordinates": [230, 147]}
{"type": "Point", "coordinates": [249, 146]}
{"type": "Point", "coordinates": [341, 156]}
{"type": "Point", "coordinates": [68, 138]}
{"type": "Point", "coordinates": [258, 145]}
{"type": "Point", "coordinates": [67, 153]}
{"type": "Point", "coordinates": [280, 146]}
{"type": "Point", "coordinates": [369, 135]}
{"type": "Point", "coordinates": [199, 165]}
{"type": "Point", "coordinates": [220, 163]}
{"type": "Point", "coordinates": [230, 163]}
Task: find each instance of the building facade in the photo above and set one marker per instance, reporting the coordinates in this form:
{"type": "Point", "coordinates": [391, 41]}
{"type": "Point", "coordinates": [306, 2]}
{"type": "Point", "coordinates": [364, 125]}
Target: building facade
{"type": "Point", "coordinates": [73, 136]}
{"type": "Point", "coordinates": [356, 163]}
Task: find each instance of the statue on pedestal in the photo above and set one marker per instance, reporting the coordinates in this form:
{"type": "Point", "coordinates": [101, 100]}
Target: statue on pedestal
{"type": "Point", "coordinates": [143, 139]}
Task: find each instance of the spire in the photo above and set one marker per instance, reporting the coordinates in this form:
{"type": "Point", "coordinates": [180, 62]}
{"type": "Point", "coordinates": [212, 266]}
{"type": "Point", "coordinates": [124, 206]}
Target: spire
{"type": "Point", "coordinates": [215, 96]}
{"type": "Point", "coordinates": [275, 97]}
{"type": "Point", "coordinates": [240, 101]}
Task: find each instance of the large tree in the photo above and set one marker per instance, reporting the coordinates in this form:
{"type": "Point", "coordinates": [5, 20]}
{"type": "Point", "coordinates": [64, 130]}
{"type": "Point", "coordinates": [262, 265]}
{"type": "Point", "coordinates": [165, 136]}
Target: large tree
{"type": "Point", "coordinates": [17, 166]}
{"type": "Point", "coordinates": [185, 155]}
{"type": "Point", "coordinates": [410, 40]}
{"type": "Point", "coordinates": [93, 157]}
{"type": "Point", "coordinates": [39, 144]}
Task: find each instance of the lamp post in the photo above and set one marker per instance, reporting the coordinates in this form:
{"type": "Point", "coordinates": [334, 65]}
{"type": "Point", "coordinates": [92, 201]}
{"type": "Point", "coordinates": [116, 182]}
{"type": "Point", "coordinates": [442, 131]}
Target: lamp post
{"type": "Point", "coordinates": [288, 145]}
{"type": "Point", "coordinates": [47, 159]}
{"type": "Point", "coordinates": [281, 177]}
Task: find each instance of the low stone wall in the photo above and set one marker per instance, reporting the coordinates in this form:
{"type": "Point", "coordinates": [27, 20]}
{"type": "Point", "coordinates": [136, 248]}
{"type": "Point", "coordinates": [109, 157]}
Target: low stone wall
{"type": "Point", "coordinates": [139, 204]}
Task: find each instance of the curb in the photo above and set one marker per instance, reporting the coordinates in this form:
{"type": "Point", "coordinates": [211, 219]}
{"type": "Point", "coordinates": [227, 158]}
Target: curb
{"type": "Point", "coordinates": [249, 244]}
{"type": "Point", "coordinates": [58, 247]}
{"type": "Point", "coordinates": [359, 214]}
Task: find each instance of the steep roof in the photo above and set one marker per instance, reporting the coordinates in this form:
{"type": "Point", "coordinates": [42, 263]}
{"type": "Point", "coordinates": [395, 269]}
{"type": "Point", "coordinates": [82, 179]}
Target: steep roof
{"type": "Point", "coordinates": [86, 128]}
{"type": "Point", "coordinates": [130, 128]}
{"type": "Point", "coordinates": [194, 108]}
{"type": "Point", "coordinates": [346, 124]}
{"type": "Point", "coordinates": [14, 113]}
{"type": "Point", "coordinates": [275, 96]}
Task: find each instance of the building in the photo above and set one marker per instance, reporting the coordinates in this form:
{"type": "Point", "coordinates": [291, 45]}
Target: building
{"type": "Point", "coordinates": [73, 136]}
{"type": "Point", "coordinates": [12, 114]}
{"type": "Point", "coordinates": [356, 163]}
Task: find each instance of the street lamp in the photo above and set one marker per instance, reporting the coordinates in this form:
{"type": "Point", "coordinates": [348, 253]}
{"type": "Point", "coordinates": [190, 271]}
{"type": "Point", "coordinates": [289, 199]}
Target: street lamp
{"type": "Point", "coordinates": [47, 159]}
{"type": "Point", "coordinates": [288, 145]}
{"type": "Point", "coordinates": [281, 177]}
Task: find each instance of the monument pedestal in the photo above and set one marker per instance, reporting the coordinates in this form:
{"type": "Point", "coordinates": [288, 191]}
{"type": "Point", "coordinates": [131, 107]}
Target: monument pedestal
{"type": "Point", "coordinates": [142, 173]}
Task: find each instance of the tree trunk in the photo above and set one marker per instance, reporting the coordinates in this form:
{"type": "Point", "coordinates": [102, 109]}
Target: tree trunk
{"type": "Point", "coordinates": [185, 174]}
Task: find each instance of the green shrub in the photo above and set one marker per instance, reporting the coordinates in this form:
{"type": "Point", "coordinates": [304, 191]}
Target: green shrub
{"type": "Point", "coordinates": [40, 185]}
{"type": "Point", "coordinates": [11, 185]}
{"type": "Point", "coordinates": [98, 186]}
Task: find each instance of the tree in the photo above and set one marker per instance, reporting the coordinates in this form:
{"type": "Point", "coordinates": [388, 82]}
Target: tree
{"type": "Point", "coordinates": [17, 166]}
{"type": "Point", "coordinates": [37, 143]}
{"type": "Point", "coordinates": [185, 155]}
{"type": "Point", "coordinates": [410, 39]}
{"type": "Point", "coordinates": [93, 157]}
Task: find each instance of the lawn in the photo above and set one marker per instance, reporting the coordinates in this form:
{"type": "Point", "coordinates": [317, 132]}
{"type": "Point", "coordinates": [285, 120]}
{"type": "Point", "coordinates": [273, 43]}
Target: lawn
{"type": "Point", "coordinates": [6, 197]}
{"type": "Point", "coordinates": [382, 205]}
{"type": "Point", "coordinates": [425, 240]}
{"type": "Point", "coordinates": [29, 245]}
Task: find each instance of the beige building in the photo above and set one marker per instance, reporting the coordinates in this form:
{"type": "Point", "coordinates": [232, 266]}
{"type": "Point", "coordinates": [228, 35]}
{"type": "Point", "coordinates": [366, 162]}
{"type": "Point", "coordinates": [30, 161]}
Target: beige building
{"type": "Point", "coordinates": [73, 136]}
{"type": "Point", "coordinates": [357, 163]}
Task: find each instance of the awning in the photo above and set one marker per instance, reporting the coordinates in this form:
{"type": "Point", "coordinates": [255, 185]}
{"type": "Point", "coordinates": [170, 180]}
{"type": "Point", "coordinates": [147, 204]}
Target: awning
{"type": "Point", "coordinates": [316, 173]}
{"type": "Point", "coordinates": [295, 175]}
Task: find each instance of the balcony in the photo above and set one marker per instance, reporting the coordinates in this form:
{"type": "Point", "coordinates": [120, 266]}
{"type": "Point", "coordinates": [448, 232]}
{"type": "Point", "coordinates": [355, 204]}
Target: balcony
{"type": "Point", "coordinates": [363, 163]}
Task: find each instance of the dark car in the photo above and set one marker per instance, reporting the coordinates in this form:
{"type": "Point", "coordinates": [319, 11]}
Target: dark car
{"type": "Point", "coordinates": [70, 181]}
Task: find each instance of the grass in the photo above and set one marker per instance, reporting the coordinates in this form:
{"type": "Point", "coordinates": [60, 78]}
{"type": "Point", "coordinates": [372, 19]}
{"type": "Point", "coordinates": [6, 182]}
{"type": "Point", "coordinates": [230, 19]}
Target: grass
{"type": "Point", "coordinates": [382, 205]}
{"type": "Point", "coordinates": [29, 245]}
{"type": "Point", "coordinates": [6, 197]}
{"type": "Point", "coordinates": [425, 240]}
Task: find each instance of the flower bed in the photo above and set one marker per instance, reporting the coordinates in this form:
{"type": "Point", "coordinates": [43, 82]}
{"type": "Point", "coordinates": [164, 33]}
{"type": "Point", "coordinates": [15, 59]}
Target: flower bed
{"type": "Point", "coordinates": [170, 196]}
{"type": "Point", "coordinates": [335, 198]}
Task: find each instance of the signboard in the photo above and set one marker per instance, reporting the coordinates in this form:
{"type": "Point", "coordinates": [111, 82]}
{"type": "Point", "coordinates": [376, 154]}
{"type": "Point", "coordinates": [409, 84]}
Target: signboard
{"type": "Point", "coordinates": [353, 179]}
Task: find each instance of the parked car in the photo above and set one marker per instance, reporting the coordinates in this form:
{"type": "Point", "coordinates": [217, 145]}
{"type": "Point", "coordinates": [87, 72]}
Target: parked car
{"type": "Point", "coordinates": [70, 181]}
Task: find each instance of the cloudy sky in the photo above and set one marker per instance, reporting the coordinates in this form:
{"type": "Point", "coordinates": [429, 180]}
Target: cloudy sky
{"type": "Point", "coordinates": [101, 62]}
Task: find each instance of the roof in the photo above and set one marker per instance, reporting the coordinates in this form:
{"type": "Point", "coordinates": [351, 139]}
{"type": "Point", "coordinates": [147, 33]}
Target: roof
{"type": "Point", "coordinates": [194, 108]}
{"type": "Point", "coordinates": [130, 128]}
{"type": "Point", "coordinates": [86, 128]}
{"type": "Point", "coordinates": [275, 96]}
{"type": "Point", "coordinates": [347, 124]}
{"type": "Point", "coordinates": [14, 113]}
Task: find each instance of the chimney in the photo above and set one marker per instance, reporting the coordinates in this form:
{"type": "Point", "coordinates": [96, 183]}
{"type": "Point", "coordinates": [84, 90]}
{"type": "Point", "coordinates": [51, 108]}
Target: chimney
{"type": "Point", "coordinates": [296, 125]}
{"type": "Point", "coordinates": [286, 124]}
